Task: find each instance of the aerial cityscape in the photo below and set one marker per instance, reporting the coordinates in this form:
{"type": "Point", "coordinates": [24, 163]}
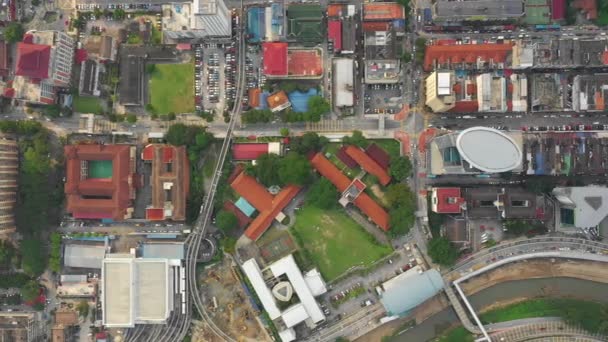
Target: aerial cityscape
{"type": "Point", "coordinates": [320, 171]}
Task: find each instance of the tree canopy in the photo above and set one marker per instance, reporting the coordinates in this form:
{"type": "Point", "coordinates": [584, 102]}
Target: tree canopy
{"type": "Point", "coordinates": [7, 251]}
{"type": "Point", "coordinates": [400, 168]}
{"type": "Point", "coordinates": [226, 221]}
{"type": "Point", "coordinates": [323, 194]}
{"type": "Point", "coordinates": [55, 253]}
{"type": "Point", "coordinates": [402, 203]}
{"type": "Point", "coordinates": [30, 291]}
{"type": "Point", "coordinates": [442, 251]}
{"type": "Point", "coordinates": [266, 169]}
{"type": "Point", "coordinates": [33, 256]}
{"type": "Point", "coordinates": [317, 106]}
{"type": "Point", "coordinates": [308, 142]}
{"type": "Point", "coordinates": [356, 139]}
{"type": "Point", "coordinates": [14, 32]}
{"type": "Point", "coordinates": [294, 169]}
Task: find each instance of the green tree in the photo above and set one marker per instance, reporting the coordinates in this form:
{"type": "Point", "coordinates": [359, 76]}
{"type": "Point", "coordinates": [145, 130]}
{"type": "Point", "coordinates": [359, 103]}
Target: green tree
{"type": "Point", "coordinates": [227, 221]}
{"type": "Point", "coordinates": [266, 169]}
{"type": "Point", "coordinates": [356, 139]}
{"type": "Point", "coordinates": [442, 251]}
{"type": "Point", "coordinates": [119, 14]}
{"type": "Point", "coordinates": [400, 195]}
{"type": "Point", "coordinates": [7, 251]}
{"type": "Point", "coordinates": [342, 339]}
{"type": "Point", "coordinates": [171, 116]}
{"type": "Point", "coordinates": [295, 169]}
{"type": "Point", "coordinates": [30, 291]}
{"type": "Point", "coordinates": [97, 12]}
{"type": "Point", "coordinates": [284, 131]}
{"type": "Point", "coordinates": [203, 139]}
{"type": "Point", "coordinates": [131, 118]}
{"type": "Point", "coordinates": [55, 253]}
{"type": "Point", "coordinates": [318, 105]}
{"type": "Point", "coordinates": [407, 57]}
{"type": "Point", "coordinates": [32, 256]}
{"type": "Point", "coordinates": [308, 142]}
{"type": "Point", "coordinates": [540, 185]}
{"type": "Point", "coordinates": [400, 168]}
{"type": "Point", "coordinates": [35, 3]}
{"type": "Point", "coordinates": [323, 194]}
{"type": "Point", "coordinates": [82, 308]}
{"type": "Point", "coordinates": [150, 68]}
{"type": "Point", "coordinates": [14, 32]}
{"type": "Point", "coordinates": [176, 135]}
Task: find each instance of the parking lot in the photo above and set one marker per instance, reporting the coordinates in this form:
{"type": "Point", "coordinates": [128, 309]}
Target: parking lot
{"type": "Point", "coordinates": [383, 98]}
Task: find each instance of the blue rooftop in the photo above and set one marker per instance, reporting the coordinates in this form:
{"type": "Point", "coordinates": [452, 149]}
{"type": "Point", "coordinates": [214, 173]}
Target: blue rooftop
{"type": "Point", "coordinates": [299, 100]}
{"type": "Point", "coordinates": [410, 289]}
{"type": "Point", "coordinates": [256, 25]}
{"type": "Point", "coordinates": [245, 207]}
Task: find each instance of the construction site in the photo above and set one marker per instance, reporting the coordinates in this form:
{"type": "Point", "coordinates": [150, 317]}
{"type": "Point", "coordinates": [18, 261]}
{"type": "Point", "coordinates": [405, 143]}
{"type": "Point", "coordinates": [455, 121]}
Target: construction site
{"type": "Point", "coordinates": [230, 308]}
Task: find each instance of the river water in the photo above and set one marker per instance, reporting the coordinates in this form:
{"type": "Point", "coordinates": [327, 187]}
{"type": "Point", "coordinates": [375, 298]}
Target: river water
{"type": "Point", "coordinates": [552, 287]}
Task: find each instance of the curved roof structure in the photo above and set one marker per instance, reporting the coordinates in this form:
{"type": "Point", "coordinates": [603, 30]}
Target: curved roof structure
{"type": "Point", "coordinates": [488, 149]}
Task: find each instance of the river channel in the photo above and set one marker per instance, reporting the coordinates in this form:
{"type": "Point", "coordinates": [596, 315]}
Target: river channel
{"type": "Point", "coordinates": [543, 287]}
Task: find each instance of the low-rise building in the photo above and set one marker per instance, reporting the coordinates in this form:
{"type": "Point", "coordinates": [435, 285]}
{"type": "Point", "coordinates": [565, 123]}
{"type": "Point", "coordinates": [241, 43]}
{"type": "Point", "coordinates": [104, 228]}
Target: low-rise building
{"type": "Point", "coordinates": [411, 288]}
{"type": "Point", "coordinates": [196, 19]}
{"type": "Point", "coordinates": [475, 150]}
{"type": "Point", "coordinates": [137, 290]}
{"type": "Point", "coordinates": [282, 284]}
{"type": "Point", "coordinates": [278, 101]}
{"type": "Point", "coordinates": [100, 181]}
{"type": "Point", "coordinates": [83, 255]}
{"type": "Point", "coordinates": [252, 151]}
{"type": "Point", "coordinates": [170, 181]}
{"type": "Point", "coordinates": [22, 326]}
{"type": "Point", "coordinates": [581, 209]}
{"type": "Point", "coordinates": [9, 153]}
{"type": "Point", "coordinates": [343, 82]}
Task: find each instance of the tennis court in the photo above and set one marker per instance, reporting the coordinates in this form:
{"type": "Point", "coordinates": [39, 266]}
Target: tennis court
{"type": "Point", "coordinates": [100, 169]}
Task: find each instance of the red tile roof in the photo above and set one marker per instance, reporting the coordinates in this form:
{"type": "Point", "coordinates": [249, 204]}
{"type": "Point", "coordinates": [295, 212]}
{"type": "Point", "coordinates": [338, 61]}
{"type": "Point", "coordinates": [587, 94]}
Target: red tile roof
{"type": "Point", "coordinates": [254, 97]}
{"type": "Point", "coordinates": [155, 214]}
{"type": "Point", "coordinates": [446, 200]}
{"type": "Point", "coordinates": [248, 151]}
{"type": "Point", "coordinates": [378, 155]}
{"type": "Point", "coordinates": [467, 53]}
{"type": "Point", "coordinates": [334, 32]}
{"type": "Point", "coordinates": [383, 11]}
{"type": "Point", "coordinates": [99, 198]}
{"type": "Point", "coordinates": [587, 6]}
{"type": "Point", "coordinates": [340, 181]}
{"type": "Point", "coordinates": [368, 164]}
{"type": "Point", "coordinates": [335, 10]}
{"type": "Point", "coordinates": [374, 211]}
{"type": "Point", "coordinates": [269, 206]}
{"type": "Point", "coordinates": [465, 107]}
{"type": "Point", "coordinates": [275, 59]}
{"type": "Point", "coordinates": [345, 158]}
{"type": "Point", "coordinates": [277, 99]}
{"type": "Point", "coordinates": [373, 26]}
{"type": "Point", "coordinates": [330, 171]}
{"type": "Point", "coordinates": [33, 60]}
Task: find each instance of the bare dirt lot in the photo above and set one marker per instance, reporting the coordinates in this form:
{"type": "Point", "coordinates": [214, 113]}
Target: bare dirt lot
{"type": "Point", "coordinates": [232, 310]}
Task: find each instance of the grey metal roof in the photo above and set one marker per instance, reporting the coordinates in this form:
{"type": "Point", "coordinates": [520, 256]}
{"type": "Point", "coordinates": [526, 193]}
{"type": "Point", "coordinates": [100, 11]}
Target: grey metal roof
{"type": "Point", "coordinates": [410, 289]}
{"type": "Point", "coordinates": [83, 256]}
{"type": "Point", "coordinates": [163, 250]}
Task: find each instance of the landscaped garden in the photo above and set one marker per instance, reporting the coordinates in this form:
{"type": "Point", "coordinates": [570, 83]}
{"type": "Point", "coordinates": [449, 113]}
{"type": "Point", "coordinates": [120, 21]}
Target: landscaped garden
{"type": "Point", "coordinates": [172, 88]}
{"type": "Point", "coordinates": [334, 242]}
{"type": "Point", "coordinates": [83, 104]}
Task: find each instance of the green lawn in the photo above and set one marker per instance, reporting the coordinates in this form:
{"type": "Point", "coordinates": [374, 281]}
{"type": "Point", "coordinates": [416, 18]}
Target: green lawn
{"type": "Point", "coordinates": [390, 146]}
{"type": "Point", "coordinates": [87, 105]}
{"type": "Point", "coordinates": [544, 307]}
{"type": "Point", "coordinates": [172, 88]}
{"type": "Point", "coordinates": [459, 334]}
{"type": "Point", "coordinates": [334, 242]}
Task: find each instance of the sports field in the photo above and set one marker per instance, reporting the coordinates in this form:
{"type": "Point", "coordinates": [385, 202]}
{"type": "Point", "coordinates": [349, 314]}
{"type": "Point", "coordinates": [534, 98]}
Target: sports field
{"type": "Point", "coordinates": [84, 104]}
{"type": "Point", "coordinates": [172, 88]}
{"type": "Point", "coordinates": [334, 242]}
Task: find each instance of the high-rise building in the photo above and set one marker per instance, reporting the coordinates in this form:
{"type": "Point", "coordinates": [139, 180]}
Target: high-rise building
{"type": "Point", "coordinates": [213, 17]}
{"type": "Point", "coordinates": [44, 62]}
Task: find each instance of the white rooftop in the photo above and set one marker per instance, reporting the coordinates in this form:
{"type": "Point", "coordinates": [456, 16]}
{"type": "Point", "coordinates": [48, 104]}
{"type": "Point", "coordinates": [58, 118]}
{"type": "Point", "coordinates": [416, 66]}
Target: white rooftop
{"type": "Point", "coordinates": [444, 83]}
{"type": "Point", "coordinates": [589, 203]}
{"type": "Point", "coordinates": [343, 82]}
{"type": "Point", "coordinates": [306, 310]}
{"type": "Point", "coordinates": [135, 291]}
{"type": "Point", "coordinates": [287, 265]}
{"type": "Point", "coordinates": [488, 149]}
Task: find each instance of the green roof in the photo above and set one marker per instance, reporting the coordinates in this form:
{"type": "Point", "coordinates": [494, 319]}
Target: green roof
{"type": "Point", "coordinates": [304, 23]}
